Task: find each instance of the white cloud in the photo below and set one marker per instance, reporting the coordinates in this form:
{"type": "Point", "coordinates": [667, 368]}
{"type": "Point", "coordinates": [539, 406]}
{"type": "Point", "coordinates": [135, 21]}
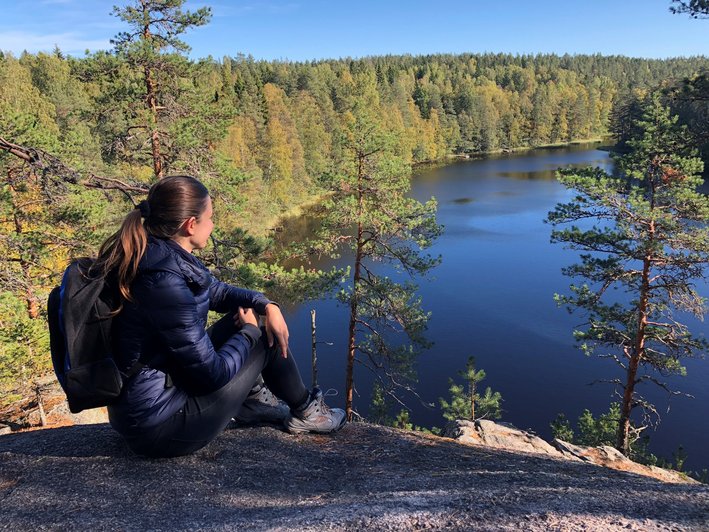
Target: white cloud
{"type": "Point", "coordinates": [69, 42]}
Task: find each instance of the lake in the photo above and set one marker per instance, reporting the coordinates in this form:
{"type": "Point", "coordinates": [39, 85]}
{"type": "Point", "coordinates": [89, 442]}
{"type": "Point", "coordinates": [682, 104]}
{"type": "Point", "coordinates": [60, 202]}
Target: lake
{"type": "Point", "coordinates": [492, 297]}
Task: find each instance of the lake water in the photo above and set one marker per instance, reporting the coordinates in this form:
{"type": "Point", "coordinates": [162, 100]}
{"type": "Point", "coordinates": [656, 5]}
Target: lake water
{"type": "Point", "coordinates": [492, 297]}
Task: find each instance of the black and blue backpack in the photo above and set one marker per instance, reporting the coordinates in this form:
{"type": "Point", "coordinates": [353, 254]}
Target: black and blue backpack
{"type": "Point", "coordinates": [80, 313]}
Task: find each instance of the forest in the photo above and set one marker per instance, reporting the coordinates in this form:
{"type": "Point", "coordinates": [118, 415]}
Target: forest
{"type": "Point", "coordinates": [274, 128]}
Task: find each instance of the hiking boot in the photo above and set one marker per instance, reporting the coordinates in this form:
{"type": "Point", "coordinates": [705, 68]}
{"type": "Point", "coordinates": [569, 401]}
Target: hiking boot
{"type": "Point", "coordinates": [315, 416]}
{"type": "Point", "coordinates": [261, 406]}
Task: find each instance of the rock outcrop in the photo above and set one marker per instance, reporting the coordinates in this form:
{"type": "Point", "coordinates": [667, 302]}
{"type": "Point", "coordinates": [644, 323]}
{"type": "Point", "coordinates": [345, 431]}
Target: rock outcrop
{"type": "Point", "coordinates": [607, 456]}
{"type": "Point", "coordinates": [499, 435]}
{"type": "Point", "coordinates": [505, 436]}
{"type": "Point", "coordinates": [364, 477]}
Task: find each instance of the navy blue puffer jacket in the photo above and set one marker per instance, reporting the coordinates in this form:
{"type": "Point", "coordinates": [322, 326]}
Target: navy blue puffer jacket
{"type": "Point", "coordinates": [164, 326]}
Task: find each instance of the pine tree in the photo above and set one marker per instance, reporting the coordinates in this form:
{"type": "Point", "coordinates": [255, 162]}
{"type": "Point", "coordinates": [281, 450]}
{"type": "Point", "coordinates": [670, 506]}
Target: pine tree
{"type": "Point", "coordinates": [646, 233]}
{"type": "Point", "coordinates": [369, 197]}
{"type": "Point", "coordinates": [592, 431]}
{"type": "Point", "coordinates": [155, 27]}
{"type": "Point", "coordinates": [471, 405]}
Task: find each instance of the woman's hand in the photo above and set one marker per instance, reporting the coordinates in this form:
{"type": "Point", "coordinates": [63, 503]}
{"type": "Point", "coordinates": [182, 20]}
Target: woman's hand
{"type": "Point", "coordinates": [244, 316]}
{"type": "Point", "coordinates": [276, 328]}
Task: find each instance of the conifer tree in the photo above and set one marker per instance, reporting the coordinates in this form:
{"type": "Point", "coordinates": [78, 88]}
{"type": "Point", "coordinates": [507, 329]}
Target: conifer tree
{"type": "Point", "coordinates": [370, 213]}
{"type": "Point", "coordinates": [644, 232]}
{"type": "Point", "coordinates": [471, 405]}
{"type": "Point", "coordinates": [592, 431]}
{"type": "Point", "coordinates": [155, 29]}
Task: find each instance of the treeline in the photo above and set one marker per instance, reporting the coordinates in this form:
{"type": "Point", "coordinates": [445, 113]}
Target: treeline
{"type": "Point", "coordinates": [275, 128]}
{"type": "Point", "coordinates": [289, 116]}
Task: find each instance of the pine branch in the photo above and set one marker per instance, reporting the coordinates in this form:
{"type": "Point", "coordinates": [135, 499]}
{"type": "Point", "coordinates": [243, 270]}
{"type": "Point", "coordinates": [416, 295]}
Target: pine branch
{"type": "Point", "coordinates": [47, 165]}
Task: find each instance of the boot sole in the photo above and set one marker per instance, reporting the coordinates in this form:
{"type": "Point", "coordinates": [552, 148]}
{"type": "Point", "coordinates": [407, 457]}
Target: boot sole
{"type": "Point", "coordinates": [303, 430]}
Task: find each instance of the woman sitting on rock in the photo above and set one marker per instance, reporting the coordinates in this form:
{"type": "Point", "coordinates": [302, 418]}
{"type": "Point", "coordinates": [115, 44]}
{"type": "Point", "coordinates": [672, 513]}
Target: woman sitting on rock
{"type": "Point", "coordinates": [194, 381]}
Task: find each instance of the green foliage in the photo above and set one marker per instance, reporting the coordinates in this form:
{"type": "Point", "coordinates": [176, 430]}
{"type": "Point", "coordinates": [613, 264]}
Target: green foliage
{"type": "Point", "coordinates": [561, 428]}
{"type": "Point", "coordinates": [156, 26]}
{"type": "Point", "coordinates": [646, 232]}
{"type": "Point", "coordinates": [24, 344]}
{"type": "Point", "coordinates": [380, 406]}
{"type": "Point", "coordinates": [402, 420]}
{"type": "Point", "coordinates": [599, 431]}
{"type": "Point", "coordinates": [157, 85]}
{"type": "Point", "coordinates": [26, 117]}
{"type": "Point", "coordinates": [469, 404]}
{"type": "Point", "coordinates": [367, 194]}
{"type": "Point", "coordinates": [489, 405]}
{"type": "Point", "coordinates": [295, 285]}
{"type": "Point", "coordinates": [680, 457]}
{"type": "Point", "coordinates": [52, 75]}
{"type": "Point", "coordinates": [593, 431]}
{"type": "Point", "coordinates": [239, 258]}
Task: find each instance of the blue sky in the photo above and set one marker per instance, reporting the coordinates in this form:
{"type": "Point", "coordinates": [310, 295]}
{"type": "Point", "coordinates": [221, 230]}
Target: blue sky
{"type": "Point", "coordinates": [303, 30]}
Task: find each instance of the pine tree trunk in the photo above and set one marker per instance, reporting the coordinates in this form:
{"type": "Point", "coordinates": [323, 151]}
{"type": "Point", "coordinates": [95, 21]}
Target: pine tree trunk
{"type": "Point", "coordinates": [623, 443]}
{"type": "Point", "coordinates": [472, 396]}
{"type": "Point", "coordinates": [155, 134]}
{"type": "Point", "coordinates": [151, 101]}
{"type": "Point", "coordinates": [30, 298]}
{"type": "Point", "coordinates": [351, 345]}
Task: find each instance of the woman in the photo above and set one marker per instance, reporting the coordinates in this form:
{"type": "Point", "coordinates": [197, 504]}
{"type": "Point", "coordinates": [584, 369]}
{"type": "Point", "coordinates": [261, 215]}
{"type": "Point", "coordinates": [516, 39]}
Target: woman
{"type": "Point", "coordinates": [184, 384]}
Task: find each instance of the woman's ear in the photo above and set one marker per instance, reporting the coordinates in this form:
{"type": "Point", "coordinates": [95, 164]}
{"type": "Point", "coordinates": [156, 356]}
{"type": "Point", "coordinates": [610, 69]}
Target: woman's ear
{"type": "Point", "coordinates": [188, 225]}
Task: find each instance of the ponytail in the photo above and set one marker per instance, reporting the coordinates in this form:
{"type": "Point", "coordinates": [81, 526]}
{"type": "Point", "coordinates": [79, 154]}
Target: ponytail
{"type": "Point", "coordinates": [122, 252]}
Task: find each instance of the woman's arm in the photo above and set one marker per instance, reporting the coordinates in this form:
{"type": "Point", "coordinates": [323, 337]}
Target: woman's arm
{"type": "Point", "coordinates": [225, 298]}
{"type": "Point", "coordinates": [193, 363]}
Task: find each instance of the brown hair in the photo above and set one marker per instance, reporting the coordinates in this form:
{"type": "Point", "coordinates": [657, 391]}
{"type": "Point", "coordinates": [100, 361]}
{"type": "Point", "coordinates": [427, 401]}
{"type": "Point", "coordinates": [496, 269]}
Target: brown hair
{"type": "Point", "coordinates": [170, 202]}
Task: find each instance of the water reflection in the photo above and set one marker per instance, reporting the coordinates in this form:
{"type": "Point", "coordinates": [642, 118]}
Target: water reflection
{"type": "Point", "coordinates": [547, 174]}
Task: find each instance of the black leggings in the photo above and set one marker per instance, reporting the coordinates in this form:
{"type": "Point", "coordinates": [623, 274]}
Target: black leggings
{"type": "Point", "coordinates": [203, 418]}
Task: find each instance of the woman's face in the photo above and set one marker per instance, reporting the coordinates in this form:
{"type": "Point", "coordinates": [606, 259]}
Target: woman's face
{"type": "Point", "coordinates": [202, 227]}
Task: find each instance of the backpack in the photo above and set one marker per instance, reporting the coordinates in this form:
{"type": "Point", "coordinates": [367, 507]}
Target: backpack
{"type": "Point", "coordinates": [80, 314]}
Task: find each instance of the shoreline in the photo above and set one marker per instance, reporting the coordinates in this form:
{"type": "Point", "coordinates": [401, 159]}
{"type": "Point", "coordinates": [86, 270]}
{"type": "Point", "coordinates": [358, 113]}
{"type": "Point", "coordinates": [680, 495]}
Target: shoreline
{"type": "Point", "coordinates": [277, 221]}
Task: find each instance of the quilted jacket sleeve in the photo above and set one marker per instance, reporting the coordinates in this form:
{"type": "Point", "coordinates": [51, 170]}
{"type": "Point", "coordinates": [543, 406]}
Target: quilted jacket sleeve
{"type": "Point", "coordinates": [226, 298]}
{"type": "Point", "coordinates": [192, 362]}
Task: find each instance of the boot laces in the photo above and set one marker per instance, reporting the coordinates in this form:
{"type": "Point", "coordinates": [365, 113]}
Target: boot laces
{"type": "Point", "coordinates": [322, 406]}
